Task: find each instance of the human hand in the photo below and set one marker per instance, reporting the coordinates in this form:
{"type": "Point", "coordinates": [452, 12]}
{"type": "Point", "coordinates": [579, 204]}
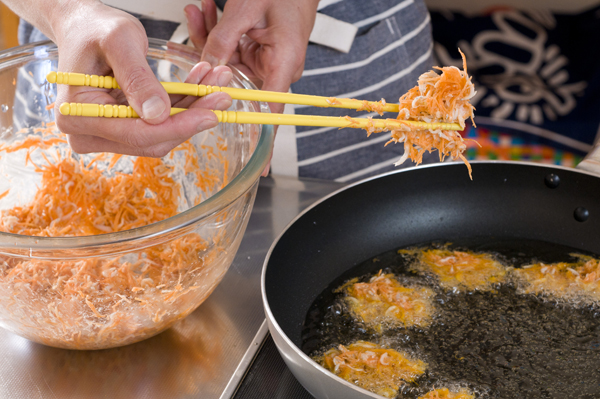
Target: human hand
{"type": "Point", "coordinates": [265, 39]}
{"type": "Point", "coordinates": [115, 42]}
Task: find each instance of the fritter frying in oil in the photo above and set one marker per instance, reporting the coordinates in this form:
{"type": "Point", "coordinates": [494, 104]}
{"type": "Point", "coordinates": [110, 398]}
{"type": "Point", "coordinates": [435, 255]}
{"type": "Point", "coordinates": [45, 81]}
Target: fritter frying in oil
{"type": "Point", "coordinates": [459, 269]}
{"type": "Point", "coordinates": [444, 393]}
{"type": "Point", "coordinates": [385, 300]}
{"type": "Point", "coordinates": [372, 367]}
{"type": "Point", "coordinates": [577, 281]}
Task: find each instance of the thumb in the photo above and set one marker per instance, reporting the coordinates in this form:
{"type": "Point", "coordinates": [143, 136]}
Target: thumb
{"type": "Point", "coordinates": [141, 88]}
{"type": "Point", "coordinates": [223, 39]}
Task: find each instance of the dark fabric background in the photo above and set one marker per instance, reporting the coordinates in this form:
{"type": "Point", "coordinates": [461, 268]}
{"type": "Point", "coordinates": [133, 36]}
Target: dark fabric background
{"type": "Point", "coordinates": [576, 37]}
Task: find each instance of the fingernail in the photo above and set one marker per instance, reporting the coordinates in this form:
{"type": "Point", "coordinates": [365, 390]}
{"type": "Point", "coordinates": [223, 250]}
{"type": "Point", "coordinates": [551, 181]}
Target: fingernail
{"type": "Point", "coordinates": [223, 103]}
{"type": "Point", "coordinates": [224, 78]}
{"type": "Point", "coordinates": [153, 107]}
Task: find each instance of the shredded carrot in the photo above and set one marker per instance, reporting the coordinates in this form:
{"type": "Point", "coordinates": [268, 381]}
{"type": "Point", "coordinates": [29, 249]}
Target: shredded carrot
{"type": "Point", "coordinates": [459, 269]}
{"type": "Point", "coordinates": [383, 300]}
{"type": "Point", "coordinates": [50, 106]}
{"type": "Point", "coordinates": [333, 101]}
{"type": "Point", "coordinates": [93, 308]}
{"type": "Point", "coordinates": [371, 127]}
{"type": "Point", "coordinates": [578, 282]}
{"type": "Point", "coordinates": [32, 142]}
{"type": "Point", "coordinates": [352, 123]}
{"type": "Point", "coordinates": [80, 195]}
{"type": "Point", "coordinates": [4, 194]}
{"type": "Point", "coordinates": [445, 393]}
{"type": "Point", "coordinates": [437, 98]}
{"type": "Point", "coordinates": [379, 370]}
{"type": "Point", "coordinates": [99, 302]}
{"type": "Point", "coordinates": [373, 106]}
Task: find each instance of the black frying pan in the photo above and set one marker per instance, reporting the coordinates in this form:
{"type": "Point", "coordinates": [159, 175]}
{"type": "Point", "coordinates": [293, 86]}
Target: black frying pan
{"type": "Point", "coordinates": [504, 200]}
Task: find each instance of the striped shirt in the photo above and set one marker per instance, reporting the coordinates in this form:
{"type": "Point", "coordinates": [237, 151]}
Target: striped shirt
{"type": "Point", "coordinates": [392, 48]}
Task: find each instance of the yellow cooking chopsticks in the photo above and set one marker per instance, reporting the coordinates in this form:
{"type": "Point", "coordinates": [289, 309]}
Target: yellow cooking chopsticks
{"type": "Point", "coordinates": [122, 111]}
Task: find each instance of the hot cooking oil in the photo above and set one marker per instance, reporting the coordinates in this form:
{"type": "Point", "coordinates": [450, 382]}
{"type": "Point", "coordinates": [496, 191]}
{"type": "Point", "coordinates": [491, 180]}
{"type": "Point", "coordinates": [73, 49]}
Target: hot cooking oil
{"type": "Point", "coordinates": [497, 343]}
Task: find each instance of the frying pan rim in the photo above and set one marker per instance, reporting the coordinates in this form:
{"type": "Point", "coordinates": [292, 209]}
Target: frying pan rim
{"type": "Point", "coordinates": [269, 315]}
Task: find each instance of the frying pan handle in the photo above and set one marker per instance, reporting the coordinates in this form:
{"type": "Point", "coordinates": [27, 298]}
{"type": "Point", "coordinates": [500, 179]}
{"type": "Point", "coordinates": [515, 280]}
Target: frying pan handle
{"type": "Point", "coordinates": [591, 162]}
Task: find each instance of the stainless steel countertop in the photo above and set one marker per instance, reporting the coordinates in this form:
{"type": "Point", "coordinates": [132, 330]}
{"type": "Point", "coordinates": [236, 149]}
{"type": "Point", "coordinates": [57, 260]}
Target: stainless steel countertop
{"type": "Point", "coordinates": [203, 356]}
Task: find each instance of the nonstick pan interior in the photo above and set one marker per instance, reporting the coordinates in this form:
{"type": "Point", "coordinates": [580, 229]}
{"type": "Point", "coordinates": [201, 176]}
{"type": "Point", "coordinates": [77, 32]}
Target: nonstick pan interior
{"type": "Point", "coordinates": [436, 203]}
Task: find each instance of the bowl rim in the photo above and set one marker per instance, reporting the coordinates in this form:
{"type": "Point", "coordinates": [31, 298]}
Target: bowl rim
{"type": "Point", "coordinates": [238, 186]}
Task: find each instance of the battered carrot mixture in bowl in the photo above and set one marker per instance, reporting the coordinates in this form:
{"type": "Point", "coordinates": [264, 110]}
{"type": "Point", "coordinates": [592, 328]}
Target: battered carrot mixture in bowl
{"type": "Point", "coordinates": [103, 250]}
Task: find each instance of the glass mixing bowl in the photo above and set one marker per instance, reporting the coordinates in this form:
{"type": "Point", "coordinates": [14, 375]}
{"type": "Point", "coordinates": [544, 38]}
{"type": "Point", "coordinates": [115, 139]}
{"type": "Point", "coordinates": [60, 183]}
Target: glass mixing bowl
{"type": "Point", "coordinates": [107, 289]}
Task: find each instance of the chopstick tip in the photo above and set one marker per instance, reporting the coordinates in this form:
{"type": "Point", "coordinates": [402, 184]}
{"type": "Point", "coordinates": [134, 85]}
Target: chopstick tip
{"type": "Point", "coordinates": [52, 77]}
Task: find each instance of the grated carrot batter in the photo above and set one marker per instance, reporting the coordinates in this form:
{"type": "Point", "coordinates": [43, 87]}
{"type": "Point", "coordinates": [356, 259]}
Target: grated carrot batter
{"type": "Point", "coordinates": [459, 269]}
{"type": "Point", "coordinates": [32, 142]}
{"type": "Point", "coordinates": [78, 200]}
{"type": "Point", "coordinates": [98, 302]}
{"type": "Point", "coordinates": [373, 106]}
{"type": "Point", "coordinates": [384, 300]}
{"type": "Point", "coordinates": [436, 98]}
{"type": "Point", "coordinates": [379, 370]}
{"type": "Point", "coordinates": [577, 281]}
{"type": "Point", "coordinates": [444, 393]}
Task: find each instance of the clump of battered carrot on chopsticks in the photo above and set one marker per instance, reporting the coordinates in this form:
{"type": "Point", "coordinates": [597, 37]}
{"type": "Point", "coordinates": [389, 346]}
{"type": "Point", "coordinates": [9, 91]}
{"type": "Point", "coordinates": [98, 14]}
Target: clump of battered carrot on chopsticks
{"type": "Point", "coordinates": [436, 98]}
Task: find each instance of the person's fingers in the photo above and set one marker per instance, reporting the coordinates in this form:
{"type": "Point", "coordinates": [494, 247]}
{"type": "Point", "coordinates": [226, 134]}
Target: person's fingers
{"type": "Point", "coordinates": [100, 144]}
{"type": "Point", "coordinates": [209, 9]}
{"type": "Point", "coordinates": [198, 72]}
{"type": "Point", "coordinates": [77, 94]}
{"type": "Point", "coordinates": [142, 89]}
{"type": "Point", "coordinates": [267, 168]}
{"type": "Point", "coordinates": [216, 101]}
{"type": "Point", "coordinates": [135, 133]}
{"type": "Point", "coordinates": [200, 22]}
{"type": "Point", "coordinates": [197, 29]}
{"type": "Point", "coordinates": [222, 41]}
{"type": "Point", "coordinates": [280, 68]}
{"type": "Point", "coordinates": [219, 76]}
{"type": "Point", "coordinates": [277, 81]}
